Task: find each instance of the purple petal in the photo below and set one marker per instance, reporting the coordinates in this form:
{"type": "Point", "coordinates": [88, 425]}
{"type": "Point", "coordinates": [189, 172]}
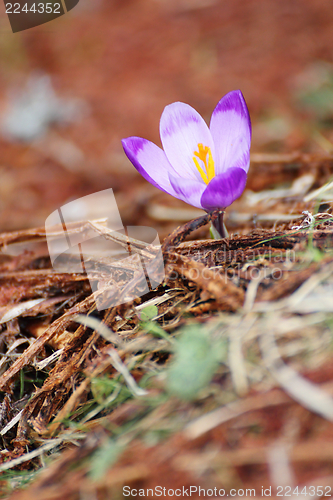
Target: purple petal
{"type": "Point", "coordinates": [150, 161]}
{"type": "Point", "coordinates": [230, 127]}
{"type": "Point", "coordinates": [188, 190]}
{"type": "Point", "coordinates": [181, 130]}
{"type": "Point", "coordinates": [224, 189]}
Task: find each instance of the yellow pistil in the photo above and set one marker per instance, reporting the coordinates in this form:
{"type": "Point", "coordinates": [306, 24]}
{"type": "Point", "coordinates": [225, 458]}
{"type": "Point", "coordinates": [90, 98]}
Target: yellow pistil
{"type": "Point", "coordinates": [201, 154]}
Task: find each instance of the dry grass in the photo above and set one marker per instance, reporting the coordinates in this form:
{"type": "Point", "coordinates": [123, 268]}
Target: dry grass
{"type": "Point", "coordinates": [222, 376]}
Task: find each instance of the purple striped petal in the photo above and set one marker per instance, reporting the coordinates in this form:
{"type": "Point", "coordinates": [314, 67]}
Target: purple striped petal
{"type": "Point", "coordinates": [224, 189]}
{"type": "Point", "coordinates": [230, 127]}
{"type": "Point", "coordinates": [150, 161]}
{"type": "Point", "coordinates": [181, 130]}
{"type": "Point", "coordinates": [188, 190]}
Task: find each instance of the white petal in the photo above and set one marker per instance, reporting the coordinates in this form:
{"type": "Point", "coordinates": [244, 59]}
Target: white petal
{"type": "Point", "coordinates": [230, 127]}
{"type": "Point", "coordinates": [181, 130]}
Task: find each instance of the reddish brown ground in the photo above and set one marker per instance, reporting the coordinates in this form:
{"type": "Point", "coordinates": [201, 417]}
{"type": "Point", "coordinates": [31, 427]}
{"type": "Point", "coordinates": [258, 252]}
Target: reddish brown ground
{"type": "Point", "coordinates": [127, 60]}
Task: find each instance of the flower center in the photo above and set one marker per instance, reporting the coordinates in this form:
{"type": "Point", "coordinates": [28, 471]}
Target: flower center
{"type": "Point", "coordinates": [204, 154]}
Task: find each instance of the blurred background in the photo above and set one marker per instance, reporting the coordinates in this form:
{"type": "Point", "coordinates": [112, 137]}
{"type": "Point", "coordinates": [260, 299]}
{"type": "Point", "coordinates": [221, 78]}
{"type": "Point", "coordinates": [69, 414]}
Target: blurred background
{"type": "Point", "coordinates": [71, 89]}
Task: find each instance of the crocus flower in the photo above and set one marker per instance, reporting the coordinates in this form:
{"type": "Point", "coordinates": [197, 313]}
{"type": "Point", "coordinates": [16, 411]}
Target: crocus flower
{"type": "Point", "coordinates": [205, 167]}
